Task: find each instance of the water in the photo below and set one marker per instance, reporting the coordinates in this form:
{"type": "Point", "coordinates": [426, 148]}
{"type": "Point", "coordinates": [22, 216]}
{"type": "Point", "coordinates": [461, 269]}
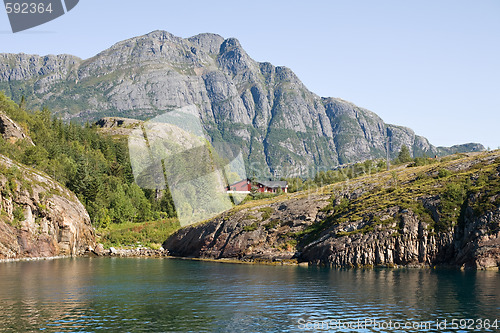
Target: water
{"type": "Point", "coordinates": [165, 295]}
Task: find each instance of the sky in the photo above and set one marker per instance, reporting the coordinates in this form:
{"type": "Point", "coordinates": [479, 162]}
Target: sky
{"type": "Point", "coordinates": [433, 66]}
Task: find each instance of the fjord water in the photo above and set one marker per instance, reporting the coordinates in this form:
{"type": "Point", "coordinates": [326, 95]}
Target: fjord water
{"type": "Point", "coordinates": [166, 295]}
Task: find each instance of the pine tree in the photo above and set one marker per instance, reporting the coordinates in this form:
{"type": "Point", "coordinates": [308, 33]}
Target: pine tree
{"type": "Point", "coordinates": [404, 155]}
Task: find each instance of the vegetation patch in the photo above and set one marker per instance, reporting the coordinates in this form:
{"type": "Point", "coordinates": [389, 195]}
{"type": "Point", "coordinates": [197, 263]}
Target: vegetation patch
{"type": "Point", "coordinates": [443, 173]}
{"type": "Point", "coordinates": [251, 227]}
{"type": "Point", "coordinates": [151, 234]}
{"type": "Point", "coordinates": [259, 196]}
{"type": "Point", "coordinates": [266, 213]}
{"type": "Point", "coordinates": [288, 245]}
{"type": "Point", "coordinates": [272, 224]}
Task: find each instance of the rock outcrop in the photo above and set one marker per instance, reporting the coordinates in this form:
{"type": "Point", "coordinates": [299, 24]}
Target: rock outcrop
{"type": "Point", "coordinates": [471, 245]}
{"type": "Point", "coordinates": [39, 217]}
{"type": "Point", "coordinates": [266, 110]}
{"type": "Point", "coordinates": [11, 131]}
{"type": "Point", "coordinates": [413, 217]}
{"type": "Point", "coordinates": [117, 125]}
{"type": "Point", "coordinates": [258, 232]}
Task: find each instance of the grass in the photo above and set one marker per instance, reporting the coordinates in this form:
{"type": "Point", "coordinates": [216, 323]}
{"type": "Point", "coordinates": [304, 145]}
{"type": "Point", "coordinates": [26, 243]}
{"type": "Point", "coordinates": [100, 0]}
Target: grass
{"type": "Point", "coordinates": [271, 225]}
{"type": "Point", "coordinates": [151, 234]}
{"type": "Point", "coordinates": [258, 196]}
{"type": "Point", "coordinates": [266, 213]}
{"type": "Point", "coordinates": [251, 227]}
{"type": "Point", "coordinates": [261, 202]}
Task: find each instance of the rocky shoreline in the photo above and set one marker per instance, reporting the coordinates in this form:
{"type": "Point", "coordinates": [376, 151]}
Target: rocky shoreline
{"type": "Point", "coordinates": [145, 252]}
{"type": "Point", "coordinates": [127, 252]}
{"type": "Point", "coordinates": [269, 261]}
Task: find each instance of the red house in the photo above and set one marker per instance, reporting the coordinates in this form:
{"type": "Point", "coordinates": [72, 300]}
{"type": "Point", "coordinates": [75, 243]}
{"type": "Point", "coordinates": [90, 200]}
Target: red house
{"type": "Point", "coordinates": [271, 186]}
{"type": "Point", "coordinates": [242, 186]}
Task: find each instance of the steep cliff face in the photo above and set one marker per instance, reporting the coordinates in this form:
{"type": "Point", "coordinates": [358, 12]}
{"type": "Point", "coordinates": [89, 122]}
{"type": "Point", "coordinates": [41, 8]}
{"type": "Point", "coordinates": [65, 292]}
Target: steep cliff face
{"type": "Point", "coordinates": [439, 214]}
{"type": "Point", "coordinates": [266, 110]}
{"type": "Point", "coordinates": [408, 240]}
{"type": "Point", "coordinates": [38, 217]}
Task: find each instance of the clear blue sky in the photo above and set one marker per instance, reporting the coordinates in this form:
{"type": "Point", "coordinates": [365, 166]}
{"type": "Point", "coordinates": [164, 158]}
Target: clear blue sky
{"type": "Point", "coordinates": [430, 65]}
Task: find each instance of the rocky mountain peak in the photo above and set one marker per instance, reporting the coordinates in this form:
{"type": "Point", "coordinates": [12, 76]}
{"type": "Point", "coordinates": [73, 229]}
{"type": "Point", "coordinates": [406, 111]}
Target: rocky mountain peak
{"type": "Point", "coordinates": [231, 44]}
{"type": "Point", "coordinates": [233, 57]}
{"type": "Point", "coordinates": [208, 42]}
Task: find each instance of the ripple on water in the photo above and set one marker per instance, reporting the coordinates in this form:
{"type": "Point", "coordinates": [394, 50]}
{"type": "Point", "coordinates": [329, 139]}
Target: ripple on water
{"type": "Point", "coordinates": [97, 294]}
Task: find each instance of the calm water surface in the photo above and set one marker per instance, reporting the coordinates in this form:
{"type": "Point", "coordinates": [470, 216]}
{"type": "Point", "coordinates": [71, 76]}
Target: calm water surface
{"type": "Point", "coordinates": [165, 295]}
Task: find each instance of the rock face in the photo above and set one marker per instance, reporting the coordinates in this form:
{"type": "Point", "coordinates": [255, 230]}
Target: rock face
{"type": "Point", "coordinates": [278, 123]}
{"type": "Point", "coordinates": [424, 221]}
{"type": "Point", "coordinates": [470, 245]}
{"type": "Point", "coordinates": [39, 218]}
{"type": "Point", "coordinates": [11, 131]}
{"type": "Point", "coordinates": [258, 232]}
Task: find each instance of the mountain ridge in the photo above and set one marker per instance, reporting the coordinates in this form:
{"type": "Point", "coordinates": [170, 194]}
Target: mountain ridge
{"type": "Point", "coordinates": [265, 109]}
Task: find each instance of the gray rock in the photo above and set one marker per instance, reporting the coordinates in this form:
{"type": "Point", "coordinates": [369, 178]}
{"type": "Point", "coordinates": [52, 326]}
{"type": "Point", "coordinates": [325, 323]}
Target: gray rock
{"type": "Point", "coordinates": [11, 131]}
{"type": "Point", "coordinates": [99, 249]}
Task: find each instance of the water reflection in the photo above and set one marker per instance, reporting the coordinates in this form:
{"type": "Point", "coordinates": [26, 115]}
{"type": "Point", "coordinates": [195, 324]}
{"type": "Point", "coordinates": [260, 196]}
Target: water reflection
{"type": "Point", "coordinates": [151, 295]}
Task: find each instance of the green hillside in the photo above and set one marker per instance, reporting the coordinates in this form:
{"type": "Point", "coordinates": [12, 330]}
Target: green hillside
{"type": "Point", "coordinates": [94, 166]}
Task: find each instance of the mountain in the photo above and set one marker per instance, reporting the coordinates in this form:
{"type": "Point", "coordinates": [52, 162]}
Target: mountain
{"type": "Point", "coordinates": [446, 213]}
{"type": "Point", "coordinates": [266, 110]}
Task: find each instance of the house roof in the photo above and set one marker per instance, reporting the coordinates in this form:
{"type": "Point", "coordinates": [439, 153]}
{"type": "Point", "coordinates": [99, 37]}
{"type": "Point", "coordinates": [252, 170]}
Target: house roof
{"type": "Point", "coordinates": [240, 181]}
{"type": "Point", "coordinates": [273, 183]}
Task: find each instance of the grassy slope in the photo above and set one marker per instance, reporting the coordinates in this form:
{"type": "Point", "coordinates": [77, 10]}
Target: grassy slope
{"type": "Point", "coordinates": [150, 234]}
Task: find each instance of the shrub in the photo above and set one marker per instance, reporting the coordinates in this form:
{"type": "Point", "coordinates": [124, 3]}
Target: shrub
{"type": "Point", "coordinates": [420, 161]}
{"type": "Point", "coordinates": [404, 155]}
{"type": "Point", "coordinates": [18, 213]}
{"type": "Point", "coordinates": [454, 192]}
{"type": "Point", "coordinates": [443, 173]}
{"type": "Point", "coordinates": [251, 227]}
{"type": "Point", "coordinates": [266, 212]}
{"type": "Point", "coordinates": [452, 199]}
{"type": "Point", "coordinates": [272, 224]}
{"type": "Point", "coordinates": [422, 176]}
